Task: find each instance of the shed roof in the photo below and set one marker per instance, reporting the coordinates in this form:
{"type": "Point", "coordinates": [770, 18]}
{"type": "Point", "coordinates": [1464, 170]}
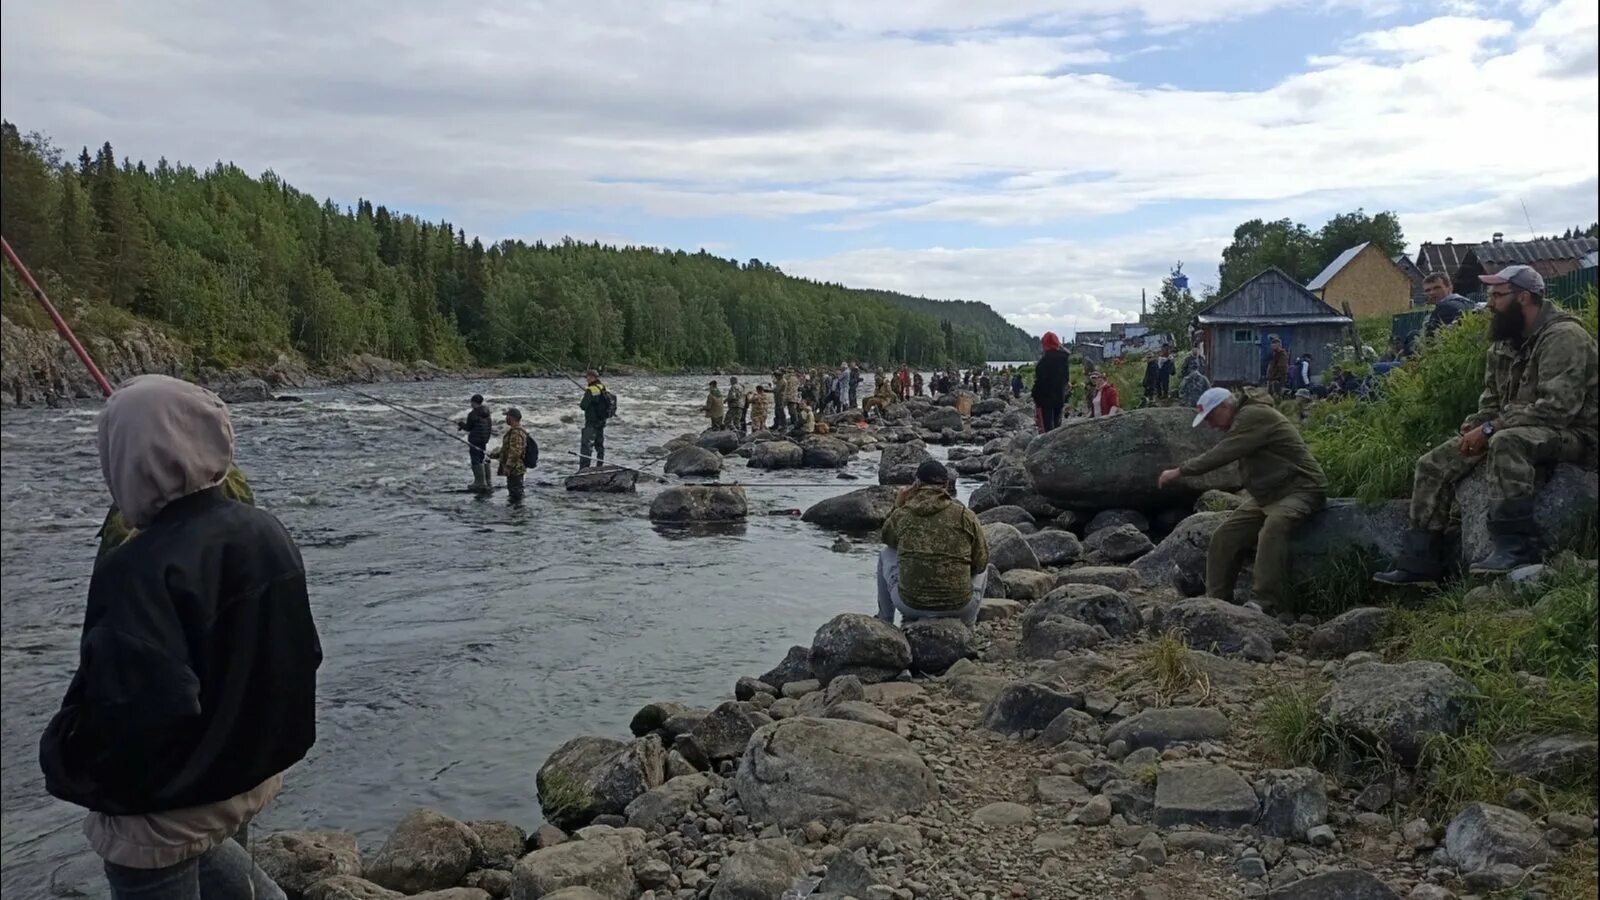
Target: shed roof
{"type": "Point", "coordinates": [1512, 253]}
{"type": "Point", "coordinates": [1333, 268]}
{"type": "Point", "coordinates": [1271, 294]}
{"type": "Point", "coordinates": [1446, 257]}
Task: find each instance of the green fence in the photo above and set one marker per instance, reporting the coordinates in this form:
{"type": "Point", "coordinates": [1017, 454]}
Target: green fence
{"type": "Point", "coordinates": [1573, 288]}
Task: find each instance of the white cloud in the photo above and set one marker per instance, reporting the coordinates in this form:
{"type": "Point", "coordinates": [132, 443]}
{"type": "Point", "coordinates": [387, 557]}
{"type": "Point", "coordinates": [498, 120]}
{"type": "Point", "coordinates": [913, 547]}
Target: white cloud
{"type": "Point", "coordinates": [860, 116]}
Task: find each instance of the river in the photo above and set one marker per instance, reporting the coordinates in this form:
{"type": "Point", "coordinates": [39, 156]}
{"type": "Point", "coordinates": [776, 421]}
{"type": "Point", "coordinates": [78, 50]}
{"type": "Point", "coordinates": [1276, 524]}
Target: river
{"type": "Point", "coordinates": [464, 639]}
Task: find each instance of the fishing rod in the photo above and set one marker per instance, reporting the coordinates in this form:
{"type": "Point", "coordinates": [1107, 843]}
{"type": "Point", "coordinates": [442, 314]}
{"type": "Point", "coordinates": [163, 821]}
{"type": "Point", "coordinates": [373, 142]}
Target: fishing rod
{"type": "Point", "coordinates": [411, 415]}
{"type": "Point", "coordinates": [493, 319]}
{"type": "Point", "coordinates": [602, 463]}
{"type": "Point", "coordinates": [50, 310]}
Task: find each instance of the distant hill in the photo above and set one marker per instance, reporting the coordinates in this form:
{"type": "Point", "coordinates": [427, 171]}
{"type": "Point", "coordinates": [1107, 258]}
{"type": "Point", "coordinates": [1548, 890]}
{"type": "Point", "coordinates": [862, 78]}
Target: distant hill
{"type": "Point", "coordinates": [1003, 339]}
{"type": "Point", "coordinates": [243, 268]}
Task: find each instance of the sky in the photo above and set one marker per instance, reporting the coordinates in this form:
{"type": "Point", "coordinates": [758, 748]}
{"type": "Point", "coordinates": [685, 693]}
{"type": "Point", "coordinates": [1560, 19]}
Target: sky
{"type": "Point", "coordinates": [1049, 158]}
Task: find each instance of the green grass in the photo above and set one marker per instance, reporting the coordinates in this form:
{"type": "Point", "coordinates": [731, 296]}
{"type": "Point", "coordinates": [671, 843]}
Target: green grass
{"type": "Point", "coordinates": [560, 797]}
{"type": "Point", "coordinates": [1295, 733]}
{"type": "Point", "coordinates": [1169, 666]}
{"type": "Point", "coordinates": [1339, 581]}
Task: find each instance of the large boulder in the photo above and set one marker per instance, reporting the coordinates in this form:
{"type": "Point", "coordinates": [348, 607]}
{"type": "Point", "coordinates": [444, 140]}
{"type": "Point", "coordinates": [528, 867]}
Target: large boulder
{"type": "Point", "coordinates": [1054, 547]}
{"type": "Point", "coordinates": [860, 645]}
{"type": "Point", "coordinates": [1352, 630]}
{"type": "Point", "coordinates": [937, 644]}
{"type": "Point", "coordinates": [1091, 604]}
{"type": "Point", "coordinates": [803, 769]}
{"type": "Point", "coordinates": [600, 865]}
{"type": "Point", "coordinates": [1207, 623]}
{"type": "Point", "coordinates": [1118, 578]}
{"type": "Point", "coordinates": [777, 455]}
{"type": "Point", "coordinates": [1008, 549]}
{"type": "Point", "coordinates": [723, 734]}
{"type": "Point", "coordinates": [1484, 835]}
{"type": "Point", "coordinates": [1293, 801]}
{"type": "Point", "coordinates": [721, 442]}
{"type": "Point", "coordinates": [602, 480]}
{"type": "Point", "coordinates": [349, 887]}
{"type": "Point", "coordinates": [899, 462]}
{"type": "Point", "coordinates": [1179, 561]}
{"type": "Point", "coordinates": [796, 666]}
{"type": "Point", "coordinates": [1566, 505]}
{"type": "Point", "coordinates": [859, 510]}
{"type": "Point", "coordinates": [693, 462]}
{"type": "Point", "coordinates": [1210, 795]}
{"type": "Point", "coordinates": [1115, 461]}
{"type": "Point", "coordinates": [1027, 706]}
{"type": "Point", "coordinates": [760, 870]}
{"type": "Point", "coordinates": [593, 776]}
{"type": "Point", "coordinates": [249, 390]}
{"type": "Point", "coordinates": [1551, 758]}
{"type": "Point", "coordinates": [824, 452]}
{"type": "Point", "coordinates": [663, 807]}
{"type": "Point", "coordinates": [1111, 518]}
{"type": "Point", "coordinates": [938, 418]}
{"type": "Point", "coordinates": [296, 860]}
{"type": "Point", "coordinates": [1046, 637]}
{"type": "Point", "coordinates": [1402, 705]}
{"type": "Point", "coordinates": [503, 842]}
{"type": "Point", "coordinates": [427, 851]}
{"type": "Point", "coordinates": [1117, 544]}
{"type": "Point", "coordinates": [699, 503]}
{"type": "Point", "coordinates": [1161, 728]}
{"type": "Point", "coordinates": [1011, 484]}
{"type": "Point", "coordinates": [1010, 515]}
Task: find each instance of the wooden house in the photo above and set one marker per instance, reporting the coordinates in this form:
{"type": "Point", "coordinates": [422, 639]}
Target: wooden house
{"type": "Point", "coordinates": [1237, 327]}
{"type": "Point", "coordinates": [1365, 279]}
{"type": "Point", "coordinates": [1550, 258]}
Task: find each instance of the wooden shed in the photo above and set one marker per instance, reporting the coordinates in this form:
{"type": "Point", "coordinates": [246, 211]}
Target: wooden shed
{"type": "Point", "coordinates": [1365, 279]}
{"type": "Point", "coordinates": [1237, 327]}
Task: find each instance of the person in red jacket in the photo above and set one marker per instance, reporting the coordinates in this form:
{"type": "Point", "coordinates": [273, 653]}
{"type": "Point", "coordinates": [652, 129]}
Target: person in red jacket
{"type": "Point", "coordinates": [1103, 400]}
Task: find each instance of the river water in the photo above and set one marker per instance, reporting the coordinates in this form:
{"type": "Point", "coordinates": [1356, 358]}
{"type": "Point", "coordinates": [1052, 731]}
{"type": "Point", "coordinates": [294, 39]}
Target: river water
{"type": "Point", "coordinates": [464, 639]}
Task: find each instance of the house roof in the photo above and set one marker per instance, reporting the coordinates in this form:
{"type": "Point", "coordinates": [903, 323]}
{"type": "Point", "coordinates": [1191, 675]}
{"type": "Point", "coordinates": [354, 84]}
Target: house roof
{"type": "Point", "coordinates": [1273, 320]}
{"type": "Point", "coordinates": [1269, 295]}
{"type": "Point", "coordinates": [1511, 253]}
{"type": "Point", "coordinates": [1446, 257]}
{"type": "Point", "coordinates": [1333, 268]}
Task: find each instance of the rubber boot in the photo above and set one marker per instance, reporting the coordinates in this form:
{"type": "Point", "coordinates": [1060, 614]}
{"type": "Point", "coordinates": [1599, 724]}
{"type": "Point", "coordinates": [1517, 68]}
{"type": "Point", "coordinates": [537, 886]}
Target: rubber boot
{"type": "Point", "coordinates": [1515, 535]}
{"type": "Point", "coordinates": [1419, 561]}
{"type": "Point", "coordinates": [480, 477]}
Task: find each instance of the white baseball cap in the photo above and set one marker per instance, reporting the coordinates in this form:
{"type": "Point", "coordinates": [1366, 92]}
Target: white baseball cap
{"type": "Point", "coordinates": [1210, 400]}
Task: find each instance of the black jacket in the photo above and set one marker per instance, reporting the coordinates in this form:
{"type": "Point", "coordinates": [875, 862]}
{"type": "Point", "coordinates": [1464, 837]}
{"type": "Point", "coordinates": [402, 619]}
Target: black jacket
{"type": "Point", "coordinates": [1446, 312]}
{"type": "Point", "coordinates": [478, 426]}
{"type": "Point", "coordinates": [197, 668]}
{"type": "Point", "coordinates": [1050, 379]}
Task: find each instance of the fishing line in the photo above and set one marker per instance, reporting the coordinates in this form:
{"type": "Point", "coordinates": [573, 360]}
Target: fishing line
{"type": "Point", "coordinates": [416, 417]}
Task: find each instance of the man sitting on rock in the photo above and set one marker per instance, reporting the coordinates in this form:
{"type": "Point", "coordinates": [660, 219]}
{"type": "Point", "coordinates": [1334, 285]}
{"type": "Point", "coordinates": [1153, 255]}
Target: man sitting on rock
{"type": "Point", "coordinates": [934, 559]}
{"type": "Point", "coordinates": [1283, 479]}
{"type": "Point", "coordinates": [1538, 407]}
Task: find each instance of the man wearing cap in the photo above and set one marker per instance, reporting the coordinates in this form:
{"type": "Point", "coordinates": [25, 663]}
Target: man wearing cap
{"type": "Point", "coordinates": [592, 440]}
{"type": "Point", "coordinates": [934, 558]}
{"type": "Point", "coordinates": [1538, 407]}
{"type": "Point", "coordinates": [479, 425]}
{"type": "Point", "coordinates": [736, 404]}
{"type": "Point", "coordinates": [1283, 479]}
{"type": "Point", "coordinates": [1277, 367]}
{"type": "Point", "coordinates": [512, 454]}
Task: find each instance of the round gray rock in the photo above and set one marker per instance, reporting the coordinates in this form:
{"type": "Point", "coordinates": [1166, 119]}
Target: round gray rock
{"type": "Point", "coordinates": [803, 769]}
{"type": "Point", "coordinates": [1118, 544]}
{"type": "Point", "coordinates": [693, 461]}
{"type": "Point", "coordinates": [760, 870]}
{"type": "Point", "coordinates": [699, 503]}
{"type": "Point", "coordinates": [427, 851]}
{"type": "Point", "coordinates": [1401, 705]}
{"type": "Point", "coordinates": [1027, 706]}
{"type": "Point", "coordinates": [593, 776]}
{"type": "Point", "coordinates": [777, 455]}
{"type": "Point", "coordinates": [937, 644]}
{"type": "Point", "coordinates": [296, 860]}
{"type": "Point", "coordinates": [1055, 547]}
{"type": "Point", "coordinates": [1161, 728]}
{"type": "Point", "coordinates": [860, 645]}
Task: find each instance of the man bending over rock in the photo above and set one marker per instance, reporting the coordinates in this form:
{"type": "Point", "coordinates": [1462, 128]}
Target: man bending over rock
{"type": "Point", "coordinates": [1283, 479]}
{"type": "Point", "coordinates": [1538, 407]}
{"type": "Point", "coordinates": [934, 560]}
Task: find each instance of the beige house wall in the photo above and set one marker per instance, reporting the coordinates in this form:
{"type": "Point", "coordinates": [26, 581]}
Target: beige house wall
{"type": "Point", "coordinates": [1372, 284]}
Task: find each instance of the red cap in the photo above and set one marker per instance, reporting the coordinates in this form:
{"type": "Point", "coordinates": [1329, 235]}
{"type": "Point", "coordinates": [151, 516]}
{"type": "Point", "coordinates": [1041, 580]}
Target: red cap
{"type": "Point", "coordinates": [1050, 341]}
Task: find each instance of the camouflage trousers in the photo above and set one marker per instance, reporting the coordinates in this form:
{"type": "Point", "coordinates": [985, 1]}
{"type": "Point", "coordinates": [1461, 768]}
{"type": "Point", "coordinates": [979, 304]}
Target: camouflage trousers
{"type": "Point", "coordinates": [1266, 528]}
{"type": "Point", "coordinates": [1514, 458]}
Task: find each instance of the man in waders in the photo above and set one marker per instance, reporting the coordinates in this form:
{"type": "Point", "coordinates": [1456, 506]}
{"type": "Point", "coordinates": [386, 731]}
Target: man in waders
{"type": "Point", "coordinates": [736, 403]}
{"type": "Point", "coordinates": [512, 454]}
{"type": "Point", "coordinates": [1283, 479]}
{"type": "Point", "coordinates": [716, 410]}
{"type": "Point", "coordinates": [478, 426]}
{"type": "Point", "coordinates": [592, 443]}
{"type": "Point", "coordinates": [760, 404]}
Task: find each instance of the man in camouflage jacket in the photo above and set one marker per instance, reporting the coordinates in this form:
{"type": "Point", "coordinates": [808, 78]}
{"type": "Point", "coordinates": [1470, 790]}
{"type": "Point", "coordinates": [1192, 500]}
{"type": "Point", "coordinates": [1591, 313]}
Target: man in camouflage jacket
{"type": "Point", "coordinates": [1539, 406]}
{"type": "Point", "coordinates": [512, 452]}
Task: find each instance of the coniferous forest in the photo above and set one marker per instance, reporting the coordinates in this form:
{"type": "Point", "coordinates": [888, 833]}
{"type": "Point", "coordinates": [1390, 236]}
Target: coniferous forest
{"type": "Point", "coordinates": [242, 268]}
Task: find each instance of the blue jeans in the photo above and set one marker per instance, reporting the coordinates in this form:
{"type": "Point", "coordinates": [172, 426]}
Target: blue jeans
{"type": "Point", "coordinates": [889, 601]}
{"type": "Point", "coordinates": [225, 872]}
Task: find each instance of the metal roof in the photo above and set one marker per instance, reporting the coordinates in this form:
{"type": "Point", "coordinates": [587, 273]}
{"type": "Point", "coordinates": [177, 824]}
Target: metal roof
{"type": "Point", "coordinates": [1332, 269]}
{"type": "Point", "coordinates": [1446, 257]}
{"type": "Point", "coordinates": [1511, 253]}
{"type": "Point", "coordinates": [1270, 293]}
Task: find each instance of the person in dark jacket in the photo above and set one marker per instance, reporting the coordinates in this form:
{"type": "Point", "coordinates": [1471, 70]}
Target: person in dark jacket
{"type": "Point", "coordinates": [197, 671]}
{"type": "Point", "coordinates": [1166, 367]}
{"type": "Point", "coordinates": [592, 440]}
{"type": "Point", "coordinates": [1448, 306]}
{"type": "Point", "coordinates": [479, 426]}
{"type": "Point", "coordinates": [1050, 377]}
{"type": "Point", "coordinates": [1152, 377]}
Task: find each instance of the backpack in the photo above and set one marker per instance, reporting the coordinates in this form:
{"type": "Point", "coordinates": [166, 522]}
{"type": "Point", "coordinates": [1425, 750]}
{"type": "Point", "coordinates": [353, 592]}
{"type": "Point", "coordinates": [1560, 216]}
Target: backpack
{"type": "Point", "coordinates": [608, 404]}
{"type": "Point", "coordinates": [530, 453]}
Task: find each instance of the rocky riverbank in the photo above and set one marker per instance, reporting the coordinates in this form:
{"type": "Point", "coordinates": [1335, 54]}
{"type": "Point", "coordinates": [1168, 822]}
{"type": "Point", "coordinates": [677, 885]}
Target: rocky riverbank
{"type": "Point", "coordinates": [1101, 732]}
{"type": "Point", "coordinates": [39, 368]}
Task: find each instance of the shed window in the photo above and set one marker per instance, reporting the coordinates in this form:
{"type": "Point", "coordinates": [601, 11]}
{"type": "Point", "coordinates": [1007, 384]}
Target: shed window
{"type": "Point", "coordinates": [1244, 336]}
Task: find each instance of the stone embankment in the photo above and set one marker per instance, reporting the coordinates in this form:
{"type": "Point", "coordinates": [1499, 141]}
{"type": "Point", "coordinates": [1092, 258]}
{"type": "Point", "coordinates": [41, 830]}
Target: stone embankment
{"type": "Point", "coordinates": [1099, 734]}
